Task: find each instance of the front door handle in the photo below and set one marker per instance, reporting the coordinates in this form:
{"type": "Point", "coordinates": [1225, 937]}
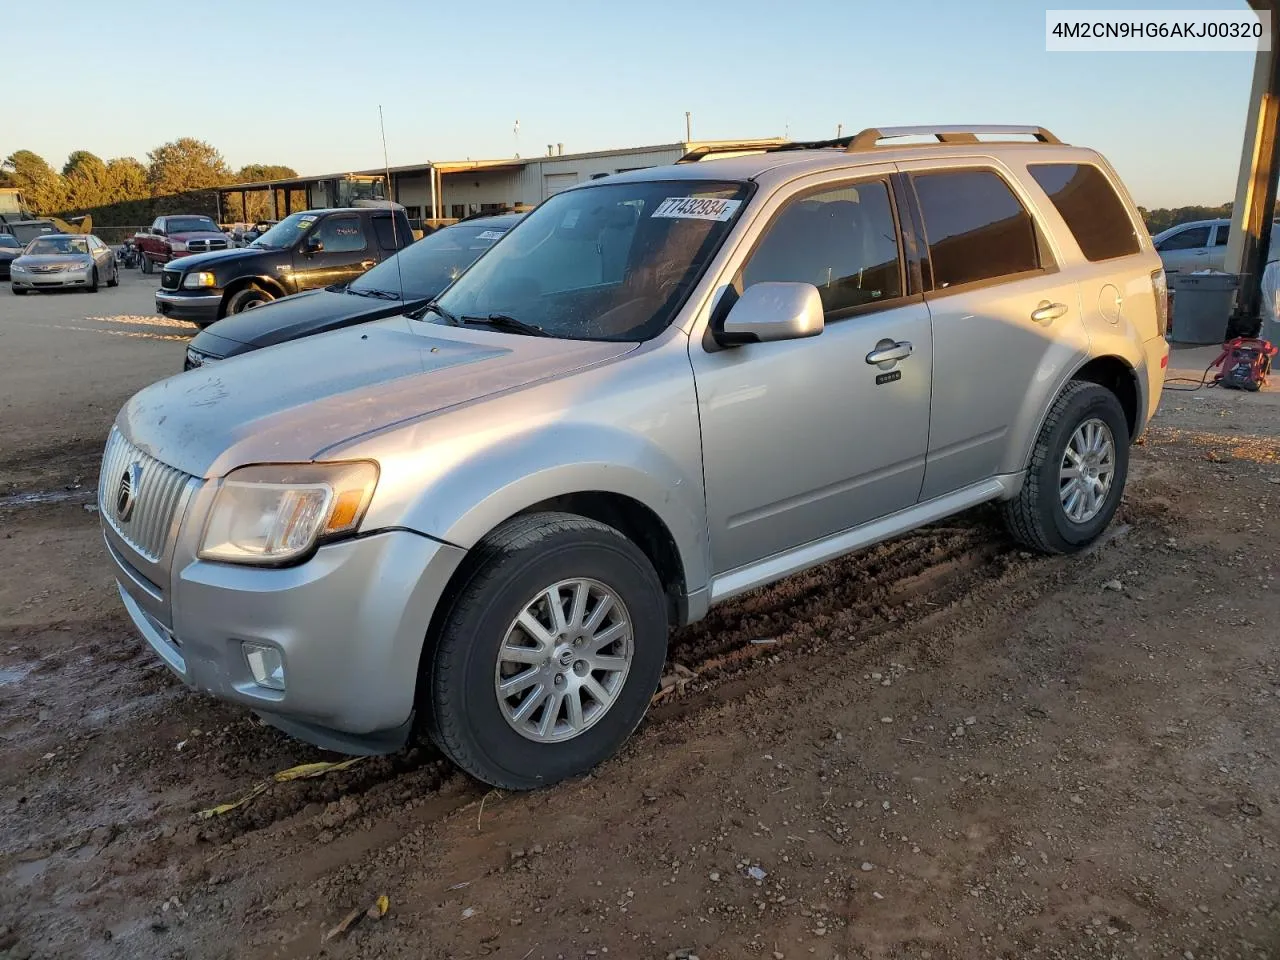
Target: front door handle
{"type": "Point", "coordinates": [367, 263]}
{"type": "Point", "coordinates": [887, 351]}
{"type": "Point", "coordinates": [1047, 312]}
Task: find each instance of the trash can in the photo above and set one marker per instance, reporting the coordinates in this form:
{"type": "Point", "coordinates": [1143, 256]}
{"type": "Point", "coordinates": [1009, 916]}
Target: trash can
{"type": "Point", "coordinates": [1202, 304]}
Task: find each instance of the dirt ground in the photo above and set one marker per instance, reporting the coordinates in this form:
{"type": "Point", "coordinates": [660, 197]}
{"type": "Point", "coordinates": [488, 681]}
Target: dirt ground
{"type": "Point", "coordinates": [941, 748]}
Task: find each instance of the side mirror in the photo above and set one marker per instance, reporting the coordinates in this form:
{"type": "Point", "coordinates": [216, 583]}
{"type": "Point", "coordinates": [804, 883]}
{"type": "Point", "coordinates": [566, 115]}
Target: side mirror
{"type": "Point", "coordinates": [313, 245]}
{"type": "Point", "coordinates": [773, 311]}
{"type": "Point", "coordinates": [159, 232]}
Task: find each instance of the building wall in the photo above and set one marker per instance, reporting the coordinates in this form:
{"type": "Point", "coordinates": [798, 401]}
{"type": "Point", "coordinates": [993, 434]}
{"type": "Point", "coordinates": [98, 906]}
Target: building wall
{"type": "Point", "coordinates": [535, 187]}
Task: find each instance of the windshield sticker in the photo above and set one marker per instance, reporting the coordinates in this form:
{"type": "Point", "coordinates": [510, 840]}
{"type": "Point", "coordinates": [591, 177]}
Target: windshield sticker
{"type": "Point", "coordinates": [490, 235]}
{"type": "Point", "coordinates": [697, 208]}
{"type": "Point", "coordinates": [570, 219]}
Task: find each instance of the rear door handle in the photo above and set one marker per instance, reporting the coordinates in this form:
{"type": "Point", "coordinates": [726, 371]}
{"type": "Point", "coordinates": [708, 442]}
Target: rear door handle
{"type": "Point", "coordinates": [1047, 312]}
{"type": "Point", "coordinates": [887, 351]}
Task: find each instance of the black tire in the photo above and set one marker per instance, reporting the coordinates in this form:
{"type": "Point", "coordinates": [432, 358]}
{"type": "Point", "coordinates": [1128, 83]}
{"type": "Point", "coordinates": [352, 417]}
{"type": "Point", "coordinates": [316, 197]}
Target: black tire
{"type": "Point", "coordinates": [114, 279]}
{"type": "Point", "coordinates": [146, 265]}
{"type": "Point", "coordinates": [247, 299]}
{"type": "Point", "coordinates": [1036, 517]}
{"type": "Point", "coordinates": [17, 292]}
{"type": "Point", "coordinates": [458, 701]}
{"type": "Point", "coordinates": [93, 281]}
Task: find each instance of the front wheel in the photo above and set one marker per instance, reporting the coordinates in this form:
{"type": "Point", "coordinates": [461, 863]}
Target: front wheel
{"type": "Point", "coordinates": [147, 265]}
{"type": "Point", "coordinates": [247, 299]}
{"type": "Point", "coordinates": [17, 292]}
{"type": "Point", "coordinates": [1077, 473]}
{"type": "Point", "coordinates": [114, 279]}
{"type": "Point", "coordinates": [550, 652]}
{"type": "Point", "coordinates": [93, 281]}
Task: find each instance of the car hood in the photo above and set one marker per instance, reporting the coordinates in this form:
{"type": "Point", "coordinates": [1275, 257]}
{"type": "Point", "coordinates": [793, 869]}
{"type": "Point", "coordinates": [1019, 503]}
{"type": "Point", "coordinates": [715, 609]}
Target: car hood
{"type": "Point", "coordinates": [212, 259]}
{"type": "Point", "coordinates": [290, 403]}
{"type": "Point", "coordinates": [292, 317]}
{"type": "Point", "coordinates": [48, 259]}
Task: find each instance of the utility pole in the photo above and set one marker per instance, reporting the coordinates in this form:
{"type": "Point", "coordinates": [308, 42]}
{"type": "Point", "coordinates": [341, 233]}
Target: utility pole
{"type": "Point", "coordinates": [839, 130]}
{"type": "Point", "coordinates": [688, 128]}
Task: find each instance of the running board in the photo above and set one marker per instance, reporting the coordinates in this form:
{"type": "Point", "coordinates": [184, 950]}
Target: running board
{"type": "Point", "coordinates": [811, 554]}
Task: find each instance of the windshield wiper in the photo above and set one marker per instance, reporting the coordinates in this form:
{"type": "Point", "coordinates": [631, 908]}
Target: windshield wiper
{"type": "Point", "coordinates": [419, 312]}
{"type": "Point", "coordinates": [375, 294]}
{"type": "Point", "coordinates": [501, 321]}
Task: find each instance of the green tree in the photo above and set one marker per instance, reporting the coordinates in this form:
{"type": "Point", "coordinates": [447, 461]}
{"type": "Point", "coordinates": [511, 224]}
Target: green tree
{"type": "Point", "coordinates": [85, 176]}
{"type": "Point", "coordinates": [185, 164]}
{"type": "Point", "coordinates": [43, 188]}
{"type": "Point", "coordinates": [127, 179]}
{"type": "Point", "coordinates": [257, 172]}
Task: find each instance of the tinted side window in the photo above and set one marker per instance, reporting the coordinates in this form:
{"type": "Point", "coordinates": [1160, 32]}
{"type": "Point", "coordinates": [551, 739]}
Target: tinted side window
{"type": "Point", "coordinates": [386, 232]}
{"type": "Point", "coordinates": [976, 228]}
{"type": "Point", "coordinates": [1096, 216]}
{"type": "Point", "coordinates": [1223, 235]}
{"type": "Point", "coordinates": [342, 234]}
{"type": "Point", "coordinates": [1186, 240]}
{"type": "Point", "coordinates": [844, 241]}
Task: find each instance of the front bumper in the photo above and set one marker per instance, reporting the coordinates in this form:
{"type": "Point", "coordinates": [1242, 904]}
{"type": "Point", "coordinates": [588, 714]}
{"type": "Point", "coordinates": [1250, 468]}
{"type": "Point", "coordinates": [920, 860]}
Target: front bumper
{"type": "Point", "coordinates": [61, 280]}
{"type": "Point", "coordinates": [349, 625]}
{"type": "Point", "coordinates": [201, 308]}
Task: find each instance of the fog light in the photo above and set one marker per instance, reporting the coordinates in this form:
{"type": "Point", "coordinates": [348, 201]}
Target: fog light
{"type": "Point", "coordinates": [265, 665]}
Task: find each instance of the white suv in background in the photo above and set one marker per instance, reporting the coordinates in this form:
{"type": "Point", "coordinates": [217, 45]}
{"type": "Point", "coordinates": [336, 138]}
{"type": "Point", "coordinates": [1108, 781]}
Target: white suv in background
{"type": "Point", "coordinates": [1199, 245]}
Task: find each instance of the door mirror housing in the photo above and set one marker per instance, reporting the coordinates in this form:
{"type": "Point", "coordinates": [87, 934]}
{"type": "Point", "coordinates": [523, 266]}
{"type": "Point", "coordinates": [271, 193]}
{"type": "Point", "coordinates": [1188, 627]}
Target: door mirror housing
{"type": "Point", "coordinates": [773, 311]}
{"type": "Point", "coordinates": [313, 245]}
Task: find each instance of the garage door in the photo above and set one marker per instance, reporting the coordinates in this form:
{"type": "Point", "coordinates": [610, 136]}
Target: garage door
{"type": "Point", "coordinates": [553, 183]}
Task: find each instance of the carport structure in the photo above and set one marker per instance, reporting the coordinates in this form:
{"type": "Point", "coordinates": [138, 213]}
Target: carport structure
{"type": "Point", "coordinates": [1249, 247]}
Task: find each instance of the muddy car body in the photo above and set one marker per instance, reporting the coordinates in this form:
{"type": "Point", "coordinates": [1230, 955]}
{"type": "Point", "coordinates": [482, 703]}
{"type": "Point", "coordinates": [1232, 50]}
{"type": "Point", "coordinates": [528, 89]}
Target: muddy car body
{"type": "Point", "coordinates": [660, 390]}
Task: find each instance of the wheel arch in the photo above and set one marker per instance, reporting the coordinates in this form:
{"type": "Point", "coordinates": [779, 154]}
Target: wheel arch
{"type": "Point", "coordinates": [268, 284]}
{"type": "Point", "coordinates": [1113, 372]}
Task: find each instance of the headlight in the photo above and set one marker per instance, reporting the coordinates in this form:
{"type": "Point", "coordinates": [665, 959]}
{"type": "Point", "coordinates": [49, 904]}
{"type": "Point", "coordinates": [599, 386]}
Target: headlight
{"type": "Point", "coordinates": [274, 513]}
{"type": "Point", "coordinates": [193, 281]}
{"type": "Point", "coordinates": [17, 268]}
{"type": "Point", "coordinates": [177, 246]}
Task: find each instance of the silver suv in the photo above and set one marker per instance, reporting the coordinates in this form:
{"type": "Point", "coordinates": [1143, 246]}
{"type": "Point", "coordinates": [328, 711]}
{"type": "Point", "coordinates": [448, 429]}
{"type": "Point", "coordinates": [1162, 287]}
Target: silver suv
{"type": "Point", "coordinates": [660, 390]}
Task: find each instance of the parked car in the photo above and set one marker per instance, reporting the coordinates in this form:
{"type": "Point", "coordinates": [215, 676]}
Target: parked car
{"type": "Point", "coordinates": [404, 282]}
{"type": "Point", "coordinates": [61, 260]}
{"type": "Point", "coordinates": [660, 390]}
{"type": "Point", "coordinates": [305, 251]}
{"type": "Point", "coordinates": [10, 250]}
{"type": "Point", "coordinates": [171, 237]}
{"type": "Point", "coordinates": [1200, 245]}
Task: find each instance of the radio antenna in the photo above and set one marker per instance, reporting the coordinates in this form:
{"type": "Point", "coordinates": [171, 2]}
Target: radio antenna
{"type": "Point", "coordinates": [395, 228]}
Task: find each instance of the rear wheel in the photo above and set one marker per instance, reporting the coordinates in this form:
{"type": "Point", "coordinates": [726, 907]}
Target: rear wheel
{"type": "Point", "coordinates": [247, 299]}
{"type": "Point", "coordinates": [549, 653]}
{"type": "Point", "coordinates": [1077, 473]}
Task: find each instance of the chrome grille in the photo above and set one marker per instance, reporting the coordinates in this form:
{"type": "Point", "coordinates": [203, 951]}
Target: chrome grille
{"type": "Point", "coordinates": [201, 246]}
{"type": "Point", "coordinates": [157, 489]}
{"type": "Point", "coordinates": [169, 279]}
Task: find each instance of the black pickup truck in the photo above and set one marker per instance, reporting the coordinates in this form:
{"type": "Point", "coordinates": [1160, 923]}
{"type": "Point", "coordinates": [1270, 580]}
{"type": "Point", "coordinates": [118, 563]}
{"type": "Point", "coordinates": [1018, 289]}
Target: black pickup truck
{"type": "Point", "coordinates": [305, 251]}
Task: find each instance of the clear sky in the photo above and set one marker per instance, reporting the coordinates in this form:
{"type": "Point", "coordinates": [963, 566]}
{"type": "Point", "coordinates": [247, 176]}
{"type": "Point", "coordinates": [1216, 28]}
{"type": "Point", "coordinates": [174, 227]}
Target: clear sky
{"type": "Point", "coordinates": [299, 83]}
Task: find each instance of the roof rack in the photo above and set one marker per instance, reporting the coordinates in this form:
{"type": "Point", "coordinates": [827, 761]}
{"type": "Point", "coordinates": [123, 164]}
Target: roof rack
{"type": "Point", "coordinates": [870, 138]}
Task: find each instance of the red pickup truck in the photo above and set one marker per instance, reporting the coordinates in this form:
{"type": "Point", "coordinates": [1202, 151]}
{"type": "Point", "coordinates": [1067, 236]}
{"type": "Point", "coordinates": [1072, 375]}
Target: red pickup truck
{"type": "Point", "coordinates": [171, 237]}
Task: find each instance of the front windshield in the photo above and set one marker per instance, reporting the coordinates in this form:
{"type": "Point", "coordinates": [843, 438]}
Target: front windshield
{"type": "Point", "coordinates": [54, 246]}
{"type": "Point", "coordinates": [608, 262]}
{"type": "Point", "coordinates": [190, 225]}
{"type": "Point", "coordinates": [287, 232]}
{"type": "Point", "coordinates": [428, 266]}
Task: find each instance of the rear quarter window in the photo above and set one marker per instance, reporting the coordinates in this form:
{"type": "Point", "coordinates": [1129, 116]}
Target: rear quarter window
{"type": "Point", "coordinates": [1089, 204]}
